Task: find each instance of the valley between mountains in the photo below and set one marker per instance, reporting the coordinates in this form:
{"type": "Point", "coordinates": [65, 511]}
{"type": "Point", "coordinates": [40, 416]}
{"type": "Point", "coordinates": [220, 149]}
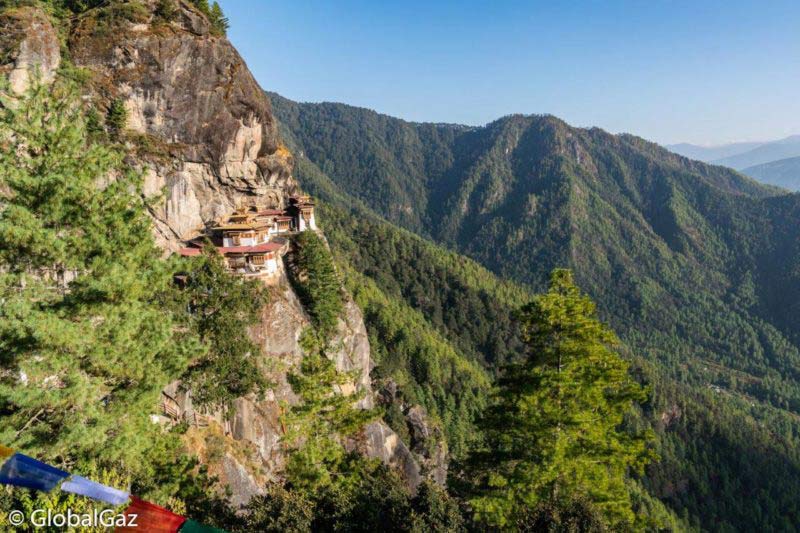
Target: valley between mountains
{"type": "Point", "coordinates": [696, 266]}
{"type": "Point", "coordinates": [387, 324]}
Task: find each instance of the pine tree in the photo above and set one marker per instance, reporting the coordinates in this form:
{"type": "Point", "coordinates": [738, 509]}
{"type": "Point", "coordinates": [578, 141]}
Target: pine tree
{"type": "Point", "coordinates": [219, 22]}
{"type": "Point", "coordinates": [86, 344]}
{"type": "Point", "coordinates": [222, 306]}
{"type": "Point", "coordinates": [317, 284]}
{"type": "Point", "coordinates": [117, 117]}
{"type": "Point", "coordinates": [318, 423]}
{"type": "Point", "coordinates": [553, 433]}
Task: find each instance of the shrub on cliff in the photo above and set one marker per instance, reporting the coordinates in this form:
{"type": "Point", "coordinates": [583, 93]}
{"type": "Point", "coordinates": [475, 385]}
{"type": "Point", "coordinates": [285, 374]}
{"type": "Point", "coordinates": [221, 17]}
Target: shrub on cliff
{"type": "Point", "coordinates": [314, 277]}
{"type": "Point", "coordinates": [117, 117]}
{"type": "Point", "coordinates": [167, 10]}
{"type": "Point", "coordinates": [217, 19]}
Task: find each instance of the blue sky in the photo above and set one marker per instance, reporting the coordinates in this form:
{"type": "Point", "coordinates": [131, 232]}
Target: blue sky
{"type": "Point", "coordinates": [702, 72]}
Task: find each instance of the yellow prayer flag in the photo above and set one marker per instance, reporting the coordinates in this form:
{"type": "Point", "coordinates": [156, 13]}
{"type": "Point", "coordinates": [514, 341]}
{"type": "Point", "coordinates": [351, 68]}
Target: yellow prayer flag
{"type": "Point", "coordinates": [5, 452]}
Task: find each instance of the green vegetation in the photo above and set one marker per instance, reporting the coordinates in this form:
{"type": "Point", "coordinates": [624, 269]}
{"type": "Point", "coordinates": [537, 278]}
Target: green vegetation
{"type": "Point", "coordinates": [221, 308]}
{"type": "Point", "coordinates": [219, 23]}
{"type": "Point", "coordinates": [117, 117]}
{"type": "Point", "coordinates": [463, 301]}
{"type": "Point", "coordinates": [429, 370]}
{"type": "Point", "coordinates": [92, 326]}
{"type": "Point", "coordinates": [316, 282]}
{"type": "Point", "coordinates": [552, 432]}
{"type": "Point", "coordinates": [376, 502]}
{"type": "Point", "coordinates": [693, 265]}
{"type": "Point", "coordinates": [82, 286]}
{"type": "Point", "coordinates": [167, 10]}
{"type": "Point", "coordinates": [323, 416]}
{"type": "Point", "coordinates": [433, 317]}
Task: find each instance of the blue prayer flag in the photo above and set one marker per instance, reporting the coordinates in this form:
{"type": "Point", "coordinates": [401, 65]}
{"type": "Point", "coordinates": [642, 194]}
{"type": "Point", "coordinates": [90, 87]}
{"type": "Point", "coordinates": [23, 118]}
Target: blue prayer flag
{"type": "Point", "coordinates": [84, 487]}
{"type": "Point", "coordinates": [24, 471]}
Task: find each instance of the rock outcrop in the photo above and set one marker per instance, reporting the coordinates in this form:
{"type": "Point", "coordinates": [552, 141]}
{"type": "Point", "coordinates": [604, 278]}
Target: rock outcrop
{"type": "Point", "coordinates": [202, 131]}
{"type": "Point", "coordinates": [30, 47]}
{"type": "Point", "coordinates": [425, 455]}
{"type": "Point", "coordinates": [251, 433]}
{"type": "Point", "coordinates": [209, 138]}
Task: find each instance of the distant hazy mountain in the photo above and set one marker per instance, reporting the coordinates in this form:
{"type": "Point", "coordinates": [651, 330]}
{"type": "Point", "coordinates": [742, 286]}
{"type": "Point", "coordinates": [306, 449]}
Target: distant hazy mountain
{"type": "Point", "coordinates": [767, 152]}
{"type": "Point", "coordinates": [783, 173]}
{"type": "Point", "coordinates": [711, 153]}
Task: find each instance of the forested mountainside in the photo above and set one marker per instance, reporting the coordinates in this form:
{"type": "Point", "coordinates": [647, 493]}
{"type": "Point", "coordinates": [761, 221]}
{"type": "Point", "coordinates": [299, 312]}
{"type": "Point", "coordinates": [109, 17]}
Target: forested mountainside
{"type": "Point", "coordinates": [781, 173]}
{"type": "Point", "coordinates": [695, 266]}
{"type": "Point", "coordinates": [412, 373]}
{"type": "Point", "coordinates": [126, 128]}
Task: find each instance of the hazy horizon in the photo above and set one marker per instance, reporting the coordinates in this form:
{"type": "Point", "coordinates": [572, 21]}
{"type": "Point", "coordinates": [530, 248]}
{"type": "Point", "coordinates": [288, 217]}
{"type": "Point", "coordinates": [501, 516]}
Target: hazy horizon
{"type": "Point", "coordinates": [676, 72]}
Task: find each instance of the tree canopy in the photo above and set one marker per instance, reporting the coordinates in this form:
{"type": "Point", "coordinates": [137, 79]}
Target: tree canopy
{"type": "Point", "coordinates": [554, 430]}
{"type": "Point", "coordinates": [86, 342]}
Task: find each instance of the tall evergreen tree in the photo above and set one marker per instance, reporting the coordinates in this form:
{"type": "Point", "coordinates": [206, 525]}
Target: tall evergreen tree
{"type": "Point", "coordinates": [317, 284]}
{"type": "Point", "coordinates": [85, 342]}
{"type": "Point", "coordinates": [553, 433]}
{"type": "Point", "coordinates": [222, 306]}
{"type": "Point", "coordinates": [219, 22]}
{"type": "Point", "coordinates": [318, 423]}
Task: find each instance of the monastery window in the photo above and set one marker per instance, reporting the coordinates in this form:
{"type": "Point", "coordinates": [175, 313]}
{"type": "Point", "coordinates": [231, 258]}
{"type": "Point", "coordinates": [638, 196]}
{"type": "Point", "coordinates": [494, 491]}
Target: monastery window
{"type": "Point", "coordinates": [257, 259]}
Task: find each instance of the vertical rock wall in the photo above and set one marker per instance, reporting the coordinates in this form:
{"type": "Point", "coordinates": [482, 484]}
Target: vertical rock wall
{"type": "Point", "coordinates": [202, 131]}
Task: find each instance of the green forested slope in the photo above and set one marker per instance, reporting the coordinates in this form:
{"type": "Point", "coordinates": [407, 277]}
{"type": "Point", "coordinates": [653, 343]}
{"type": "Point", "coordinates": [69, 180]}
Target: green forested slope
{"type": "Point", "coordinates": [695, 266]}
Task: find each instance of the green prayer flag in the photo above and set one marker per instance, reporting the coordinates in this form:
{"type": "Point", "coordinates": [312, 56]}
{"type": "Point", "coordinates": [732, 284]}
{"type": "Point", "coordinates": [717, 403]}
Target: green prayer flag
{"type": "Point", "coordinates": [191, 526]}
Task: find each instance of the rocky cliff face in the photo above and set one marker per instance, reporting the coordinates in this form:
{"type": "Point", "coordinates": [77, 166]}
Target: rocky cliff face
{"type": "Point", "coordinates": [203, 132]}
{"type": "Point", "coordinates": [244, 448]}
{"type": "Point", "coordinates": [191, 95]}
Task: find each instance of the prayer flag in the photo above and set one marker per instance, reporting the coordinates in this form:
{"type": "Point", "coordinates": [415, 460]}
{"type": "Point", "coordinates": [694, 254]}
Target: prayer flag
{"type": "Point", "coordinates": [84, 487]}
{"type": "Point", "coordinates": [5, 453]}
{"type": "Point", "coordinates": [151, 518]}
{"type": "Point", "coordinates": [24, 471]}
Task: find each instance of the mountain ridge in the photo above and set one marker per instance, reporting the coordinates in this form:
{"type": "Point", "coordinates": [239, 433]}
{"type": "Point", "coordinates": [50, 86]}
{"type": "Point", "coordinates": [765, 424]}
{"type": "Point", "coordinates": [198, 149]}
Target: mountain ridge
{"type": "Point", "coordinates": [693, 264]}
{"type": "Point", "coordinates": [710, 153]}
{"type": "Point", "coordinates": [781, 173]}
{"type": "Point", "coordinates": [765, 153]}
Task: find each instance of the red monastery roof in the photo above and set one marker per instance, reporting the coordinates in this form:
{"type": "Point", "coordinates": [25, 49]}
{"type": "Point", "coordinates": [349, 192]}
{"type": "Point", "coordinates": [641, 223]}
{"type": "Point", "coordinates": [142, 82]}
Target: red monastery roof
{"type": "Point", "coordinates": [264, 247]}
{"type": "Point", "coordinates": [258, 248]}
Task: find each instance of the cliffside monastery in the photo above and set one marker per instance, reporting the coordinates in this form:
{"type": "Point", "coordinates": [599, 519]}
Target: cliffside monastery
{"type": "Point", "coordinates": [249, 239]}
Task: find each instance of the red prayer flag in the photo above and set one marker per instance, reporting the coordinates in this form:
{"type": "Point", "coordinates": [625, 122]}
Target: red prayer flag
{"type": "Point", "coordinates": [150, 518]}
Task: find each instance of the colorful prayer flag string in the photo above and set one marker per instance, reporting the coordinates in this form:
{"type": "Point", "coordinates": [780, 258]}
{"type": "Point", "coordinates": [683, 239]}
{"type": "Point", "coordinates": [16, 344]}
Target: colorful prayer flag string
{"type": "Point", "coordinates": [190, 526]}
{"type": "Point", "coordinates": [22, 471]}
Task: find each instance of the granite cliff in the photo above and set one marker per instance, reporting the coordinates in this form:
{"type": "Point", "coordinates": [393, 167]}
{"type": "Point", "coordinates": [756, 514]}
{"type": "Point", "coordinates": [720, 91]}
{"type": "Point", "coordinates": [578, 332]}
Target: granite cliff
{"type": "Point", "coordinates": [203, 132]}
